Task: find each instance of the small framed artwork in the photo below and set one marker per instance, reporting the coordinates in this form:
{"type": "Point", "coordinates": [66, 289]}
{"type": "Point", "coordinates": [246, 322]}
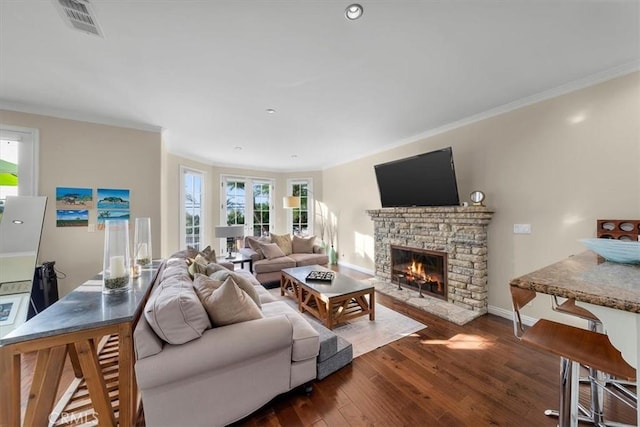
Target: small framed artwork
{"type": "Point", "coordinates": [71, 198]}
{"type": "Point", "coordinates": [9, 307]}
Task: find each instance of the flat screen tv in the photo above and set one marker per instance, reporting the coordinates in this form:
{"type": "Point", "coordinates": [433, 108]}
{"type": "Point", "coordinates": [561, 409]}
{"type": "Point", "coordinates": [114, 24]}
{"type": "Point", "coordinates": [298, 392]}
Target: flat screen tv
{"type": "Point", "coordinates": [427, 179]}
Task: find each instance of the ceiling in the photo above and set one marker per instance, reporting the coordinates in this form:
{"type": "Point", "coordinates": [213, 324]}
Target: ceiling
{"type": "Point", "coordinates": [205, 72]}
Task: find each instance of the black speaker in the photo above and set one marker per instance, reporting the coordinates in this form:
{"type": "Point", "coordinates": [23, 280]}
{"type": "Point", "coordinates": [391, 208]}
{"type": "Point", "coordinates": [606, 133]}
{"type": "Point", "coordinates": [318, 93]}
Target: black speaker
{"type": "Point", "coordinates": [44, 290]}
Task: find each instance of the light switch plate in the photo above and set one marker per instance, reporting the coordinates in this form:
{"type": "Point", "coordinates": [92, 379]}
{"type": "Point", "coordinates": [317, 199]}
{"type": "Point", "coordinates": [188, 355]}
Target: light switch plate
{"type": "Point", "coordinates": [521, 228]}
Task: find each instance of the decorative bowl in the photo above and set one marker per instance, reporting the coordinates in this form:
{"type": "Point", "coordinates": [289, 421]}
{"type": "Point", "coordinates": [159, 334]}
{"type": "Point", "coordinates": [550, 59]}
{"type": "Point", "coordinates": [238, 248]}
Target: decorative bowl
{"type": "Point", "coordinates": [622, 251]}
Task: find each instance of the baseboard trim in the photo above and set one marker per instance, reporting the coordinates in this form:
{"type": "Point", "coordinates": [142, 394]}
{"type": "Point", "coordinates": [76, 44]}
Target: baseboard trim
{"type": "Point", "coordinates": [356, 267]}
{"type": "Point", "coordinates": [508, 314]}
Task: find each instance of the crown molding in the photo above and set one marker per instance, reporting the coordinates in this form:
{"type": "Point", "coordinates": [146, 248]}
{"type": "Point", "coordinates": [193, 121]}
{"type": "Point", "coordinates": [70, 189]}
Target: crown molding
{"type": "Point", "coordinates": [555, 92]}
{"type": "Point", "coordinates": [74, 115]}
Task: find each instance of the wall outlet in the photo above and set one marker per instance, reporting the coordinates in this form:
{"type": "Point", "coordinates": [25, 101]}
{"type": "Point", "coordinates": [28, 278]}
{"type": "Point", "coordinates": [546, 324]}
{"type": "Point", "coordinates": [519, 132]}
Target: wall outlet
{"type": "Point", "coordinates": [521, 228]}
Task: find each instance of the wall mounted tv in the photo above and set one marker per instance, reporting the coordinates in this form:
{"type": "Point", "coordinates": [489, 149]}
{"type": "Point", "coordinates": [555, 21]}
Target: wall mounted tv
{"type": "Point", "coordinates": [427, 179]}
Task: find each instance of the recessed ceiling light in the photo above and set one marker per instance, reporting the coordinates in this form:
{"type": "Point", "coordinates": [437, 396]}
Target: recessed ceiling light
{"type": "Point", "coordinates": [270, 111]}
{"type": "Point", "coordinates": [353, 12]}
{"type": "Point", "coordinates": [237, 148]}
{"type": "Point", "coordinates": [294, 156]}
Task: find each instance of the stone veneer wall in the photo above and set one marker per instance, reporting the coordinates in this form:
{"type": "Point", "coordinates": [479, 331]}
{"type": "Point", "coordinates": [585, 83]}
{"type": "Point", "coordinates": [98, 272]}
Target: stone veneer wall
{"type": "Point", "coordinates": [459, 231]}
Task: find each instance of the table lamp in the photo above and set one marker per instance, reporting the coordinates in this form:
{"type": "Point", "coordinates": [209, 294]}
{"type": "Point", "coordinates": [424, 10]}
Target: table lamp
{"type": "Point", "coordinates": [231, 233]}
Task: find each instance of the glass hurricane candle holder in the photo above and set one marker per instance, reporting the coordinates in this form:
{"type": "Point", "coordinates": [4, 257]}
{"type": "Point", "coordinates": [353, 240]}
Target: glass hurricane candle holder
{"type": "Point", "coordinates": [116, 264]}
{"type": "Point", "coordinates": [142, 242]}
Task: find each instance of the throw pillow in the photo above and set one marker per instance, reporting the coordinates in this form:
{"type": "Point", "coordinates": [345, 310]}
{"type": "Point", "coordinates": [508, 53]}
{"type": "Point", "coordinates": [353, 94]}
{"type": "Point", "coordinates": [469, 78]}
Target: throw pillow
{"type": "Point", "coordinates": [208, 254]}
{"type": "Point", "coordinates": [213, 267]}
{"type": "Point", "coordinates": [271, 250]}
{"type": "Point", "coordinates": [201, 283]}
{"type": "Point", "coordinates": [175, 313]}
{"type": "Point", "coordinates": [229, 304]}
{"type": "Point", "coordinates": [199, 265]}
{"type": "Point", "coordinates": [254, 243]}
{"type": "Point", "coordinates": [303, 245]}
{"type": "Point", "coordinates": [243, 283]}
{"type": "Point", "coordinates": [284, 241]}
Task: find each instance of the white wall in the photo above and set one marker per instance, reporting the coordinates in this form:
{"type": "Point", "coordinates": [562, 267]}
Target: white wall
{"type": "Point", "coordinates": [558, 165]}
{"type": "Point", "coordinates": [80, 154]}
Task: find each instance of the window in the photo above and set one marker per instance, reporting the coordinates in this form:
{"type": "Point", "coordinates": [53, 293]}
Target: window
{"type": "Point", "coordinates": [249, 202]}
{"type": "Point", "coordinates": [261, 208]}
{"type": "Point", "coordinates": [18, 162]}
{"type": "Point", "coordinates": [300, 219]}
{"type": "Point", "coordinates": [192, 216]}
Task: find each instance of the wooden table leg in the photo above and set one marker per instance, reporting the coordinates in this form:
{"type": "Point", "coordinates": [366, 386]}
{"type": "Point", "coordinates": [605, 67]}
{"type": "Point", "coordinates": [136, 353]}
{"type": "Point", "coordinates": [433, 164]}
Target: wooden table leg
{"type": "Point", "coordinates": [372, 305]}
{"type": "Point", "coordinates": [88, 359]}
{"type": "Point", "coordinates": [126, 386]}
{"type": "Point", "coordinates": [75, 363]}
{"type": "Point", "coordinates": [9, 387]}
{"type": "Point", "coordinates": [46, 379]}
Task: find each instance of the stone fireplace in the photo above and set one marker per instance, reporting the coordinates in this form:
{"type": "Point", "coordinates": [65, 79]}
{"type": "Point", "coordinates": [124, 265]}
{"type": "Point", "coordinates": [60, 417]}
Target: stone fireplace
{"type": "Point", "coordinates": [456, 234]}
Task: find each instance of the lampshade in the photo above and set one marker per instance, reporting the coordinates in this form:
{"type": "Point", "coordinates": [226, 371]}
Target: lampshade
{"type": "Point", "coordinates": [230, 231]}
{"type": "Point", "coordinates": [291, 202]}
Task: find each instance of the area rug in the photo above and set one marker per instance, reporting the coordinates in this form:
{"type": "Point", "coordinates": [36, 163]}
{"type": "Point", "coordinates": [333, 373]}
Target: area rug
{"type": "Point", "coordinates": [363, 334]}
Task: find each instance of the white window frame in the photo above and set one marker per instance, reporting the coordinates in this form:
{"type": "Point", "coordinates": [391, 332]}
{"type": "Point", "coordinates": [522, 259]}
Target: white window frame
{"type": "Point", "coordinates": [184, 170]}
{"type": "Point", "coordinates": [310, 204]}
{"type": "Point", "coordinates": [249, 181]}
{"type": "Point", "coordinates": [28, 156]}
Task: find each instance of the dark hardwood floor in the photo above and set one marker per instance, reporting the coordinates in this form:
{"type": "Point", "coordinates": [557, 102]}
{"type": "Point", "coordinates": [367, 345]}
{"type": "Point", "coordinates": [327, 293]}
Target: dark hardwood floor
{"type": "Point", "coordinates": [443, 375]}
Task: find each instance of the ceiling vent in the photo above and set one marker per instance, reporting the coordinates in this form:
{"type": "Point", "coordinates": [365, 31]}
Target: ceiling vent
{"type": "Point", "coordinates": [79, 14]}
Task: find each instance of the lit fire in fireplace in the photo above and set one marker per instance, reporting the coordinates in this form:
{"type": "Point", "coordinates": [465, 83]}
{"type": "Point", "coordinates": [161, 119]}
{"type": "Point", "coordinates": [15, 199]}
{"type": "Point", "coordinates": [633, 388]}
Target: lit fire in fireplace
{"type": "Point", "coordinates": [416, 271]}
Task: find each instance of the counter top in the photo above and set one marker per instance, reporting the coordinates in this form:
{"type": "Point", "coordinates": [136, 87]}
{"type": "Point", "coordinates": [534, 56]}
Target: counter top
{"type": "Point", "coordinates": [587, 277]}
{"type": "Point", "coordinates": [84, 308]}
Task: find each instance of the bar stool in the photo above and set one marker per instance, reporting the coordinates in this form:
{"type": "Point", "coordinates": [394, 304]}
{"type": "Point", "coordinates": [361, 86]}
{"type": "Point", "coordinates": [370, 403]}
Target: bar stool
{"type": "Point", "coordinates": [575, 346]}
{"type": "Point", "coordinates": [596, 379]}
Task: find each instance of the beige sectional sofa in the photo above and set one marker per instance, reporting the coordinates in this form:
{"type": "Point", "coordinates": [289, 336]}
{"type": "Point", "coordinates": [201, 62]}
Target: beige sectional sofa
{"type": "Point", "coordinates": [193, 373]}
{"type": "Point", "coordinates": [296, 252]}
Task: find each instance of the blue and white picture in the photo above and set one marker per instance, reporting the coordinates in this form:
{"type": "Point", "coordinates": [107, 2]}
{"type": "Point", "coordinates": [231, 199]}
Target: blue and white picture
{"type": "Point", "coordinates": [74, 198]}
{"type": "Point", "coordinates": [105, 214]}
{"type": "Point", "coordinates": [113, 199]}
{"type": "Point", "coordinates": [72, 218]}
{"type": "Point", "coordinates": [112, 204]}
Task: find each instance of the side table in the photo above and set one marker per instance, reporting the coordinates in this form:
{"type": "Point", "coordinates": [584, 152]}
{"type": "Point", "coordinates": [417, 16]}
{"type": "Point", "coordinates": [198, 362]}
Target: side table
{"type": "Point", "coordinates": [238, 259]}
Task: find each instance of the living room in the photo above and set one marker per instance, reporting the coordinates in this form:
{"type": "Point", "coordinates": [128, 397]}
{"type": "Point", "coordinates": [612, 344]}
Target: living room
{"type": "Point", "coordinates": [558, 159]}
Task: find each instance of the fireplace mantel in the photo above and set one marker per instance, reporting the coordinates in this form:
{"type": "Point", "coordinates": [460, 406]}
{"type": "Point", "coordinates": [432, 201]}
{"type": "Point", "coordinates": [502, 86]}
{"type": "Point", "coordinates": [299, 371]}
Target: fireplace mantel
{"type": "Point", "coordinates": [460, 231]}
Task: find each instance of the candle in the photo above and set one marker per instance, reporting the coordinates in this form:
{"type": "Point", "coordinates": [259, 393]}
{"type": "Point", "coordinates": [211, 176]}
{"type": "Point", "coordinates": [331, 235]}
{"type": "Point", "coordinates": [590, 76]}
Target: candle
{"type": "Point", "coordinates": [116, 264]}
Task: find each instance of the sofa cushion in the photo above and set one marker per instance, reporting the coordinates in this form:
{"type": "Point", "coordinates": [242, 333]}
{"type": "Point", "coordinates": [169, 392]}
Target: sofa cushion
{"type": "Point", "coordinates": [271, 250]}
{"type": "Point", "coordinates": [309, 259]}
{"type": "Point", "coordinates": [242, 281]}
{"type": "Point", "coordinates": [227, 304]}
{"type": "Point", "coordinates": [175, 313]}
{"type": "Point", "coordinates": [306, 342]}
{"type": "Point", "coordinates": [271, 265]}
{"type": "Point", "coordinates": [284, 241]}
{"type": "Point", "coordinates": [303, 245]}
{"type": "Point", "coordinates": [265, 295]}
{"type": "Point", "coordinates": [175, 271]}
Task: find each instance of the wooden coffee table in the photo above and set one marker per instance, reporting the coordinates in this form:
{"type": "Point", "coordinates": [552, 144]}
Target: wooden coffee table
{"type": "Point", "coordinates": [332, 302]}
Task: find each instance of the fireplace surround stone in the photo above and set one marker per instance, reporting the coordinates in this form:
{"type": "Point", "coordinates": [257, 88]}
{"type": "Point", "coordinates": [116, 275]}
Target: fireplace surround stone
{"type": "Point", "coordinates": [460, 232]}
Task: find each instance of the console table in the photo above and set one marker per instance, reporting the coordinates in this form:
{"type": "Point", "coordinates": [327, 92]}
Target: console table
{"type": "Point", "coordinates": [73, 326]}
{"type": "Point", "coordinates": [609, 290]}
